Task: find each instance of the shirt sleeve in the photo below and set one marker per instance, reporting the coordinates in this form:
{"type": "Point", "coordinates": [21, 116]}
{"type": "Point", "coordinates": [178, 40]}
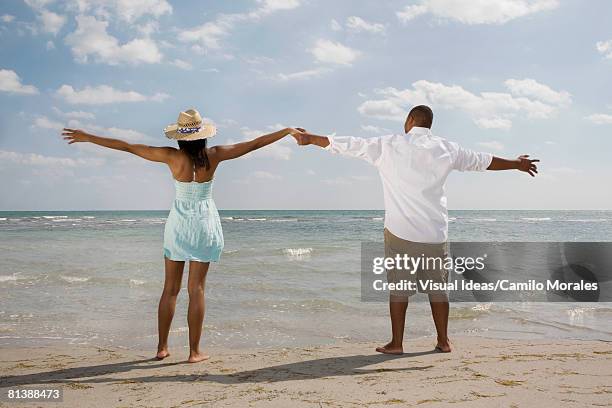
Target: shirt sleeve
{"type": "Point", "coordinates": [369, 149]}
{"type": "Point", "coordinates": [469, 160]}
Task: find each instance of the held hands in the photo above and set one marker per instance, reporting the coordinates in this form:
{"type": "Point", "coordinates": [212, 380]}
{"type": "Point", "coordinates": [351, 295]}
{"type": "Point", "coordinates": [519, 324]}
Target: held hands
{"type": "Point", "coordinates": [75, 135]}
{"type": "Point", "coordinates": [524, 163]}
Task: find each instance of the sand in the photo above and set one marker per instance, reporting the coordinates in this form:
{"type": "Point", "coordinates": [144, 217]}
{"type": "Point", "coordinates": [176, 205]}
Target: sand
{"type": "Point", "coordinates": [480, 373]}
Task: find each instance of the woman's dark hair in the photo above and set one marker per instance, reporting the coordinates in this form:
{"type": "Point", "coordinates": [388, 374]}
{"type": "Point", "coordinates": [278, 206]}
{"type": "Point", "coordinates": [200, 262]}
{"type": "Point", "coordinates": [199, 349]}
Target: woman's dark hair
{"type": "Point", "coordinates": [196, 149]}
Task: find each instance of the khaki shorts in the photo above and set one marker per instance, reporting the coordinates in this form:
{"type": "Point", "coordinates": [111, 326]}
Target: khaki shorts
{"type": "Point", "coordinates": [434, 271]}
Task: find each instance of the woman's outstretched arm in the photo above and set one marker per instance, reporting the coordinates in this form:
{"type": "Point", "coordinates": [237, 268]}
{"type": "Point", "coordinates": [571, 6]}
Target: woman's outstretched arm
{"type": "Point", "coordinates": [229, 152]}
{"type": "Point", "coordinates": [152, 153]}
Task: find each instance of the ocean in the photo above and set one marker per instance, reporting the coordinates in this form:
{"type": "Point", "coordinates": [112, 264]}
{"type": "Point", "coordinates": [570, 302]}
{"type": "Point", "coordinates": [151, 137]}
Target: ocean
{"type": "Point", "coordinates": [286, 278]}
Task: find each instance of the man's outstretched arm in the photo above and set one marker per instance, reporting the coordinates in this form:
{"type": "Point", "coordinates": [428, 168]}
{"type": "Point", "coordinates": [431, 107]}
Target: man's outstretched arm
{"type": "Point", "coordinates": [522, 163]}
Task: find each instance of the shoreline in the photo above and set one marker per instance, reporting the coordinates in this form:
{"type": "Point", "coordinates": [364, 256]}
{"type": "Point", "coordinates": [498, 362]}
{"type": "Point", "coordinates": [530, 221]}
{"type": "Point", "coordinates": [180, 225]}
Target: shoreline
{"type": "Point", "coordinates": [480, 372]}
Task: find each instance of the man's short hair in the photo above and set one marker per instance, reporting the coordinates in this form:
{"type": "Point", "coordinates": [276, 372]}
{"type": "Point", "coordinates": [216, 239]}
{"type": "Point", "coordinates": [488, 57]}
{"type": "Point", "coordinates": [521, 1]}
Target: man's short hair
{"type": "Point", "coordinates": [422, 116]}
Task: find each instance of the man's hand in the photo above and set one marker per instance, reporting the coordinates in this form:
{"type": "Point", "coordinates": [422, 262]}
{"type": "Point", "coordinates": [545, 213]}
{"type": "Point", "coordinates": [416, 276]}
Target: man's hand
{"type": "Point", "coordinates": [75, 135]}
{"type": "Point", "coordinates": [524, 163]}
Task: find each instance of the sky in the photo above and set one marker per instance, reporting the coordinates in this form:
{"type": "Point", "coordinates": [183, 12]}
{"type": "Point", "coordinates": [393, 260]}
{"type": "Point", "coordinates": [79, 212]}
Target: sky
{"type": "Point", "coordinates": [506, 76]}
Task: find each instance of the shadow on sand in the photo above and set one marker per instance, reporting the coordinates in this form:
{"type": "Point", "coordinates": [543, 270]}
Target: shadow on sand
{"type": "Point", "coordinates": [302, 370]}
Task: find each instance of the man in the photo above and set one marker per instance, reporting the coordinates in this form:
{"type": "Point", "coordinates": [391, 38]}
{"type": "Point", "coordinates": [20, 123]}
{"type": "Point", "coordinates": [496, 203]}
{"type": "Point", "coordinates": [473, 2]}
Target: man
{"type": "Point", "coordinates": [413, 170]}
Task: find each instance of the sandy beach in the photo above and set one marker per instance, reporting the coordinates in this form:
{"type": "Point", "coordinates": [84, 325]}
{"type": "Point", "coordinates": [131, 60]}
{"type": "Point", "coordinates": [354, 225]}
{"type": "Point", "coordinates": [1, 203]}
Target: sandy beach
{"type": "Point", "coordinates": [481, 372]}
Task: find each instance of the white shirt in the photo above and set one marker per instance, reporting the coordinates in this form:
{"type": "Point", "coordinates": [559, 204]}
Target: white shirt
{"type": "Point", "coordinates": [413, 169]}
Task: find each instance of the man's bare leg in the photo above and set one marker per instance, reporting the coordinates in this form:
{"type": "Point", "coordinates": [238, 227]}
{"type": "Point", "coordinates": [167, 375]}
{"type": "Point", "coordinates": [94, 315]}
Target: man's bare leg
{"type": "Point", "coordinates": [195, 312]}
{"type": "Point", "coordinates": [439, 311]}
{"type": "Point", "coordinates": [167, 304]}
{"type": "Point", "coordinates": [397, 311]}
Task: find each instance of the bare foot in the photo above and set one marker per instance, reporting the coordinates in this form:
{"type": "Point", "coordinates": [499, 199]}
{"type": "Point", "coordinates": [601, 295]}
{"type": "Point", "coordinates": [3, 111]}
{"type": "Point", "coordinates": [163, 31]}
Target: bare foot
{"type": "Point", "coordinates": [444, 346]}
{"type": "Point", "coordinates": [161, 354]}
{"type": "Point", "coordinates": [390, 348]}
{"type": "Point", "coordinates": [197, 357]}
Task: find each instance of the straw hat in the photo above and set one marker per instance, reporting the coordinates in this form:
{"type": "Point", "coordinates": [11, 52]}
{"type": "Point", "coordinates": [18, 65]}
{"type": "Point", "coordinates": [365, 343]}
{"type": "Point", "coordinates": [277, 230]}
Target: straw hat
{"type": "Point", "coordinates": [189, 126]}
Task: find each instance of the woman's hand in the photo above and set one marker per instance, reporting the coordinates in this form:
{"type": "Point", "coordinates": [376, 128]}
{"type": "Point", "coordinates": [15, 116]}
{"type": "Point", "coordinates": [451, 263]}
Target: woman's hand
{"type": "Point", "coordinates": [75, 135]}
{"type": "Point", "coordinates": [295, 131]}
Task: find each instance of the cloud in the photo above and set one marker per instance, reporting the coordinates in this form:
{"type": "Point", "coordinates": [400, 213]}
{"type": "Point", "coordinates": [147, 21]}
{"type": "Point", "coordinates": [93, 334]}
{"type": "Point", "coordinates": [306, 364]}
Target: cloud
{"type": "Point", "coordinates": [335, 25]}
{"type": "Point", "coordinates": [104, 94]}
{"type": "Point", "coordinates": [302, 75]}
{"type": "Point", "coordinates": [33, 159]}
{"type": "Point", "coordinates": [209, 35]}
{"type": "Point", "coordinates": [90, 39]}
{"type": "Point", "coordinates": [126, 10]}
{"type": "Point", "coordinates": [600, 119]}
{"type": "Point", "coordinates": [51, 22]}
{"type": "Point", "coordinates": [358, 24]}
{"type": "Point", "coordinates": [605, 48]}
{"type": "Point", "coordinates": [344, 181]}
{"type": "Point", "coordinates": [182, 64]}
{"type": "Point", "coordinates": [476, 11]}
{"type": "Point", "coordinates": [531, 88]}
{"type": "Point", "coordinates": [74, 114]}
{"type": "Point", "coordinates": [10, 82]}
{"type": "Point", "coordinates": [490, 110]}
{"type": "Point", "coordinates": [7, 18]}
{"type": "Point", "coordinates": [374, 129]}
{"type": "Point", "coordinates": [492, 145]}
{"type": "Point", "coordinates": [259, 176]}
{"type": "Point", "coordinates": [44, 122]}
{"type": "Point", "coordinates": [330, 52]}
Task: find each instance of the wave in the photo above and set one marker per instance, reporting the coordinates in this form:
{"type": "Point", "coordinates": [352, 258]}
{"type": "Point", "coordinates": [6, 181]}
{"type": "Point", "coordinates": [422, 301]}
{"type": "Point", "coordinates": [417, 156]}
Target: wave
{"type": "Point", "coordinates": [8, 278]}
{"type": "Point", "coordinates": [137, 282]}
{"type": "Point", "coordinates": [377, 219]}
{"type": "Point", "coordinates": [257, 219]}
{"type": "Point", "coordinates": [2, 219]}
{"type": "Point", "coordinates": [74, 279]}
{"type": "Point", "coordinates": [88, 217]}
{"type": "Point", "coordinates": [485, 219]}
{"type": "Point", "coordinates": [536, 219]}
{"type": "Point", "coordinates": [297, 253]}
{"type": "Point", "coordinates": [51, 217]}
{"type": "Point", "coordinates": [588, 220]}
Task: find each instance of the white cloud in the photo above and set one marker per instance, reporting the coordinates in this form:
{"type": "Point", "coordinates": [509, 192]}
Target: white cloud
{"type": "Point", "coordinates": [91, 39]}
{"type": "Point", "coordinates": [208, 36]}
{"type": "Point", "coordinates": [44, 122]}
{"type": "Point", "coordinates": [382, 109]}
{"type": "Point", "coordinates": [330, 52]}
{"type": "Point", "coordinates": [600, 119]}
{"type": "Point", "coordinates": [492, 145]}
{"type": "Point", "coordinates": [7, 18]}
{"type": "Point", "coordinates": [104, 94]}
{"type": "Point", "coordinates": [259, 176]}
{"type": "Point", "coordinates": [51, 22]}
{"type": "Point", "coordinates": [494, 123]}
{"type": "Point", "coordinates": [33, 159]}
{"type": "Point", "coordinates": [477, 11]}
{"type": "Point", "coordinates": [126, 10]}
{"type": "Point", "coordinates": [343, 181]}
{"type": "Point", "coordinates": [605, 48]}
{"type": "Point", "coordinates": [374, 129]}
{"type": "Point", "coordinates": [358, 24]}
{"type": "Point", "coordinates": [182, 64]}
{"type": "Point", "coordinates": [50, 45]}
{"type": "Point", "coordinates": [335, 25]}
{"type": "Point", "coordinates": [531, 88]}
{"type": "Point", "coordinates": [74, 114]}
{"type": "Point", "coordinates": [487, 109]}
{"type": "Point", "coordinates": [10, 82]}
{"type": "Point", "coordinates": [302, 75]}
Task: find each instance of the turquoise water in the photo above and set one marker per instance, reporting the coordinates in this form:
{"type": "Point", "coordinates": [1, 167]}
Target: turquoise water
{"type": "Point", "coordinates": [285, 278]}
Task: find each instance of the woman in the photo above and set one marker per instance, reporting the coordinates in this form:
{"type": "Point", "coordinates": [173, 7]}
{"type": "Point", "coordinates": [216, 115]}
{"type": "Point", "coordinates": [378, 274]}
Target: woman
{"type": "Point", "coordinates": [193, 229]}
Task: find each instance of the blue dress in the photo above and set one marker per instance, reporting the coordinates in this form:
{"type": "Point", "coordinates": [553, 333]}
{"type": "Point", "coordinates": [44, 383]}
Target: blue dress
{"type": "Point", "coordinates": [193, 228]}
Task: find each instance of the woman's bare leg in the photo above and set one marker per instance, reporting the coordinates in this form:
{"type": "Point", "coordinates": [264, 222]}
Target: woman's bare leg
{"type": "Point", "coordinates": [195, 312]}
{"type": "Point", "coordinates": [167, 304]}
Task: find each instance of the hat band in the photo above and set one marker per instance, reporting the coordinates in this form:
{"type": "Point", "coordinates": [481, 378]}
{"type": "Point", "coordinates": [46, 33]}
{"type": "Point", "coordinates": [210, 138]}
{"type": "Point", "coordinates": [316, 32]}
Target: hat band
{"type": "Point", "coordinates": [189, 130]}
